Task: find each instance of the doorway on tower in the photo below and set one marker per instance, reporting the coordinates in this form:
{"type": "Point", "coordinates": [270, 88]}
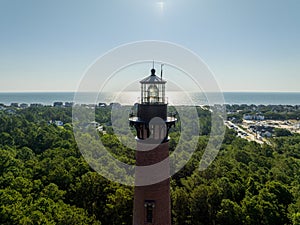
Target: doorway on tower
{"type": "Point", "coordinates": [149, 211]}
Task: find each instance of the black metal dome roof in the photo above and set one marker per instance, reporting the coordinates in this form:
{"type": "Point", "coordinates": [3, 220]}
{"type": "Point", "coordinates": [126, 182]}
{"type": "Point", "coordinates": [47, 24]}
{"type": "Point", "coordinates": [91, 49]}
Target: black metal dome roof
{"type": "Point", "coordinates": [153, 79]}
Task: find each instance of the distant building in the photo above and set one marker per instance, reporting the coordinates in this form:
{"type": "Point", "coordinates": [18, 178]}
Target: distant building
{"type": "Point", "coordinates": [33, 105]}
{"type": "Point", "coordinates": [69, 104]}
{"type": "Point", "coordinates": [100, 128]}
{"type": "Point", "coordinates": [89, 106]}
{"type": "Point", "coordinates": [263, 131]}
{"type": "Point", "coordinates": [16, 105]}
{"type": "Point", "coordinates": [247, 117]}
{"type": "Point", "coordinates": [297, 126]}
{"type": "Point", "coordinates": [56, 122]}
{"type": "Point", "coordinates": [259, 117]}
{"type": "Point", "coordinates": [23, 106]}
{"type": "Point", "coordinates": [253, 117]}
{"type": "Point", "coordinates": [101, 104]}
{"type": "Point", "coordinates": [266, 134]}
{"type": "Point", "coordinates": [94, 124]}
{"type": "Point", "coordinates": [58, 104]}
{"type": "Point", "coordinates": [231, 112]}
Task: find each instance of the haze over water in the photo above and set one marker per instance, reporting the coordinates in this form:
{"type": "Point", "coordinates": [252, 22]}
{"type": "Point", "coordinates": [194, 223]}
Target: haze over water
{"type": "Point", "coordinates": [174, 98]}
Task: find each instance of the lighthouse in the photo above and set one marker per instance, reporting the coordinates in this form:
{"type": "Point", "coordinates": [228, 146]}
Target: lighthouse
{"type": "Point", "coordinates": [152, 204]}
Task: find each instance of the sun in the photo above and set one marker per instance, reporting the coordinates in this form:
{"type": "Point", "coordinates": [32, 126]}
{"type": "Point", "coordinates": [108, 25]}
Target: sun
{"type": "Point", "coordinates": [161, 6]}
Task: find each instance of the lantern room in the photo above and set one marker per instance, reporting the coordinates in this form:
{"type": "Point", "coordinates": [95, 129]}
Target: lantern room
{"type": "Point", "coordinates": [153, 90]}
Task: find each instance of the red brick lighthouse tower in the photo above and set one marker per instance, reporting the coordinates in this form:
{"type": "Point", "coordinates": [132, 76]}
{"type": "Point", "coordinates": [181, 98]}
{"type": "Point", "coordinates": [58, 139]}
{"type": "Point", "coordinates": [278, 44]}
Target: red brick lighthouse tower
{"type": "Point", "coordinates": [152, 199]}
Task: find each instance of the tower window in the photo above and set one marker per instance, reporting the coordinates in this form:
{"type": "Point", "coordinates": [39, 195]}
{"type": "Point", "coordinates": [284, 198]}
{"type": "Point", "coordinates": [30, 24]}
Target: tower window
{"type": "Point", "coordinates": [149, 206]}
{"type": "Point", "coordinates": [149, 214]}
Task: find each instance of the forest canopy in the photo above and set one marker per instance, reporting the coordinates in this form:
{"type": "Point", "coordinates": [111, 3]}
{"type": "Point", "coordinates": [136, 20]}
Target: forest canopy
{"type": "Point", "coordinates": [45, 180]}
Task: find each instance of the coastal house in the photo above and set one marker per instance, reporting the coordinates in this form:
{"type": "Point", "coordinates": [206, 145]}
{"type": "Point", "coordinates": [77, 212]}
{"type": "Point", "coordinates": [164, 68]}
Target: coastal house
{"type": "Point", "coordinates": [102, 104]}
{"type": "Point", "coordinates": [69, 104]}
{"type": "Point", "coordinates": [253, 117]}
{"type": "Point", "coordinates": [34, 105]}
{"type": "Point", "coordinates": [94, 124]}
{"type": "Point", "coordinates": [297, 126]}
{"type": "Point", "coordinates": [263, 131]}
{"type": "Point", "coordinates": [58, 104]}
{"type": "Point", "coordinates": [247, 117]}
{"type": "Point", "coordinates": [266, 134]}
{"type": "Point", "coordinates": [56, 122]}
{"type": "Point", "coordinates": [23, 106]}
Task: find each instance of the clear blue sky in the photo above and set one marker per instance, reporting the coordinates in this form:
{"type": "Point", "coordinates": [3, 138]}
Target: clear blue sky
{"type": "Point", "coordinates": [250, 45]}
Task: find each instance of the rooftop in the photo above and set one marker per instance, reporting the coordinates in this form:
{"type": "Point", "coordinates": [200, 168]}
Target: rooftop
{"type": "Point", "coordinates": [153, 79]}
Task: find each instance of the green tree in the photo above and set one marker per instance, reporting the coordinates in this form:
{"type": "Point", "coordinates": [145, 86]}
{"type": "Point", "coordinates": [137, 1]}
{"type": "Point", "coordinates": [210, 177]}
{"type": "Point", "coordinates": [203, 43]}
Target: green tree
{"type": "Point", "coordinates": [230, 213]}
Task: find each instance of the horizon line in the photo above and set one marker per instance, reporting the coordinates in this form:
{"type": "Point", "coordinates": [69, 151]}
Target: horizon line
{"type": "Point", "coordinates": [70, 91]}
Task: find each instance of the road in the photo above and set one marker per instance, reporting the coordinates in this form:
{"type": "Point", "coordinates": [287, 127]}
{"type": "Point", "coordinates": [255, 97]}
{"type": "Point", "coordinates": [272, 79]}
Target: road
{"type": "Point", "coordinates": [244, 133]}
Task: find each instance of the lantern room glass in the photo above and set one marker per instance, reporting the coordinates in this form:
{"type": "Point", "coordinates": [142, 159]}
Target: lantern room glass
{"type": "Point", "coordinates": [153, 93]}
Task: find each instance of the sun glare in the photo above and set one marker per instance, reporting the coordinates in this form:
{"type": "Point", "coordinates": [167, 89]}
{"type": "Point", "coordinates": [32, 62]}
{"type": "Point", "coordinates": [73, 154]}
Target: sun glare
{"type": "Point", "coordinates": [161, 6]}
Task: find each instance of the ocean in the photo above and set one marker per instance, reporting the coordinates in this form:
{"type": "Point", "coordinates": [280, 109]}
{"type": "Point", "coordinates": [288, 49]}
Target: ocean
{"type": "Point", "coordinates": [256, 98]}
